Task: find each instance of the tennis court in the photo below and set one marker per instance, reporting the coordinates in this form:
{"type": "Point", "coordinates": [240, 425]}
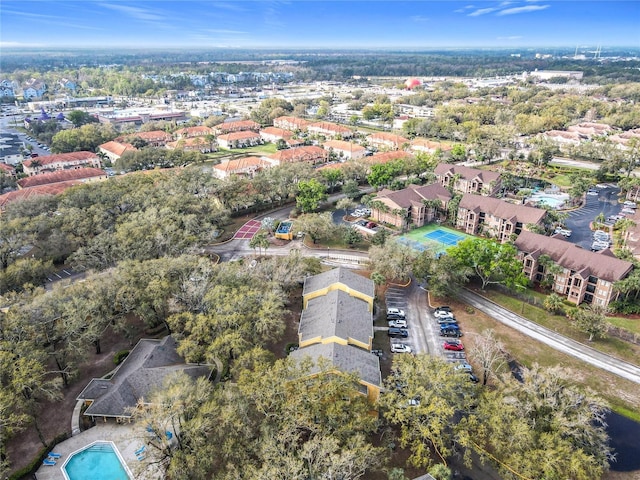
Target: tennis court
{"type": "Point", "coordinates": [433, 237]}
{"type": "Point", "coordinates": [445, 237]}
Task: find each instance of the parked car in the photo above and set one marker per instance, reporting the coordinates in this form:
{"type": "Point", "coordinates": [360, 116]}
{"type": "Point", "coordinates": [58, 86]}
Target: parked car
{"type": "Point", "coordinates": [450, 332]}
{"type": "Point", "coordinates": [443, 314]}
{"type": "Point", "coordinates": [398, 323]}
{"type": "Point", "coordinates": [444, 308]}
{"type": "Point", "coordinates": [565, 232]}
{"type": "Point", "coordinates": [628, 211]}
{"type": "Point", "coordinates": [599, 234]}
{"type": "Point", "coordinates": [455, 345]}
{"type": "Point", "coordinates": [395, 311]}
{"type": "Point", "coordinates": [400, 348]}
{"type": "Point", "coordinates": [371, 225]}
{"type": "Point", "coordinates": [630, 204]}
{"type": "Point", "coordinates": [449, 326]}
{"type": "Point", "coordinates": [447, 321]}
{"type": "Point", "coordinates": [593, 193]}
{"type": "Point", "coordinates": [463, 367]}
{"type": "Point", "coordinates": [398, 332]}
{"type": "Point", "coordinates": [473, 378]}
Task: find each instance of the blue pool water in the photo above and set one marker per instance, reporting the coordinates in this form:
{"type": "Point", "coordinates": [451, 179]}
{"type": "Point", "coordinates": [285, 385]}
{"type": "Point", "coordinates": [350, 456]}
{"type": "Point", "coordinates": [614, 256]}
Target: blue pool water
{"type": "Point", "coordinates": [97, 462]}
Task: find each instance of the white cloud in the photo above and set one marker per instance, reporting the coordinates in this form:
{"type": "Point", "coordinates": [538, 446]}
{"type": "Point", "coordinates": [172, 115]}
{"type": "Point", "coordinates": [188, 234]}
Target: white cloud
{"type": "Point", "coordinates": [525, 9]}
{"type": "Point", "coordinates": [481, 11]}
{"type": "Point", "coordinates": [226, 32]}
{"type": "Point", "coordinates": [419, 18]}
{"type": "Point", "coordinates": [511, 37]}
{"type": "Point", "coordinates": [136, 12]}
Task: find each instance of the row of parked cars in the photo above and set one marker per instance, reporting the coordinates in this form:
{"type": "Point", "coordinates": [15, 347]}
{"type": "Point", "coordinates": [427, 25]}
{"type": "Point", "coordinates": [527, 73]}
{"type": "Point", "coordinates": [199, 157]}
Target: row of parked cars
{"type": "Point", "coordinates": [397, 322]}
{"type": "Point", "coordinates": [453, 347]}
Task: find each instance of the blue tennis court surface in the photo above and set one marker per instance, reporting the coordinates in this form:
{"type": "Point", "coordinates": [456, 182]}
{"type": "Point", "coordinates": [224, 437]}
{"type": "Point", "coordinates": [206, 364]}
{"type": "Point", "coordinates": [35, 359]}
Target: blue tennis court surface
{"type": "Point", "coordinates": [444, 237]}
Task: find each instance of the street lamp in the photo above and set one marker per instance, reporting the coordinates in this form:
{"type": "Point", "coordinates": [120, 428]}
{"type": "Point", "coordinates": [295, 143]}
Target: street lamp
{"type": "Point", "coordinates": [523, 298]}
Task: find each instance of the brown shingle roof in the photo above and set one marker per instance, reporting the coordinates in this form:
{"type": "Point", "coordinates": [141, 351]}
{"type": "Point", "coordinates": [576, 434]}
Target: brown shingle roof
{"type": "Point", "coordinates": [466, 173]}
{"type": "Point", "coordinates": [415, 194]}
{"type": "Point", "coordinates": [570, 256]}
{"type": "Point", "coordinates": [502, 209]}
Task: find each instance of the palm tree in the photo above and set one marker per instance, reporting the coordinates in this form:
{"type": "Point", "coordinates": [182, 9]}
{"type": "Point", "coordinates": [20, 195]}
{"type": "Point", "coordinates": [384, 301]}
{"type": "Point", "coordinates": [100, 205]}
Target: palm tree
{"type": "Point", "coordinates": [623, 227]}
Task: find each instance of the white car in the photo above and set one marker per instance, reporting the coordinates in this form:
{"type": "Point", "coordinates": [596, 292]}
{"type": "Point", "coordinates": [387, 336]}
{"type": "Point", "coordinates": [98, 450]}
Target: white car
{"type": "Point", "coordinates": [443, 314]}
{"type": "Point", "coordinates": [628, 211]}
{"type": "Point", "coordinates": [630, 204]}
{"type": "Point", "coordinates": [464, 367]}
{"type": "Point", "coordinates": [592, 193]}
{"type": "Point", "coordinates": [397, 323]}
{"type": "Point", "coordinates": [565, 232]}
{"type": "Point", "coordinates": [395, 312]}
{"type": "Point", "coordinates": [400, 348]}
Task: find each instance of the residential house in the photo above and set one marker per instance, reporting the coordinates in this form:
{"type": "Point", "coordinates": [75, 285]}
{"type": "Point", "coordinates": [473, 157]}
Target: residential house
{"type": "Point", "coordinates": [429, 146]}
{"type": "Point", "coordinates": [564, 138]}
{"type": "Point", "coordinates": [11, 148]}
{"type": "Point", "coordinates": [245, 166]}
{"type": "Point", "coordinates": [386, 157]}
{"type": "Point", "coordinates": [61, 161]}
{"type": "Point", "coordinates": [7, 169]}
{"type": "Point", "coordinates": [34, 89]}
{"type": "Point", "coordinates": [237, 126]}
{"type": "Point", "coordinates": [345, 150]}
{"type": "Point", "coordinates": [144, 370]}
{"type": "Point", "coordinates": [190, 132]}
{"type": "Point", "coordinates": [337, 325]}
{"type": "Point", "coordinates": [273, 134]}
{"type": "Point", "coordinates": [293, 124]}
{"type": "Point", "coordinates": [7, 88]}
{"type": "Point", "coordinates": [336, 317]}
{"type": "Point", "coordinates": [194, 144]}
{"type": "Point", "coordinates": [310, 154]}
{"type": "Point", "coordinates": [329, 130]}
{"type": "Point", "coordinates": [155, 138]}
{"type": "Point", "coordinates": [387, 141]}
{"type": "Point", "coordinates": [623, 139]}
{"type": "Point", "coordinates": [32, 192]}
{"type": "Point", "coordinates": [586, 276]}
{"type": "Point", "coordinates": [240, 139]}
{"type": "Point", "coordinates": [463, 179]}
{"type": "Point", "coordinates": [114, 150]}
{"type": "Point", "coordinates": [338, 279]}
{"type": "Point", "coordinates": [496, 218]}
{"type": "Point", "coordinates": [415, 205]}
{"type": "Point", "coordinates": [590, 129]}
{"type": "Point", "coordinates": [81, 175]}
{"type": "Point", "coordinates": [67, 84]}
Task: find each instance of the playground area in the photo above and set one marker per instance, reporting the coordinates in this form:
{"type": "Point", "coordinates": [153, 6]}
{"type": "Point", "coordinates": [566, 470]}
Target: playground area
{"type": "Point", "coordinates": [433, 237]}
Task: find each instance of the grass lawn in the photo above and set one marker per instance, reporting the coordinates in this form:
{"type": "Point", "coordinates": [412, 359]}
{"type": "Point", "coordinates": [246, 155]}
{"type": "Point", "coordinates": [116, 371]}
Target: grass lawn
{"type": "Point", "coordinates": [622, 395]}
{"type": "Point", "coordinates": [610, 345]}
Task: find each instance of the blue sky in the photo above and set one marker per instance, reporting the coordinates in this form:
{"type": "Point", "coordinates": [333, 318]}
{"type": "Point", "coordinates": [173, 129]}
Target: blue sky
{"type": "Point", "coordinates": [318, 24]}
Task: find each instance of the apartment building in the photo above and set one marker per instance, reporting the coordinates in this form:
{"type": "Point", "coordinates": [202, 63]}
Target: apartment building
{"type": "Point", "coordinates": [479, 215]}
{"type": "Point", "coordinates": [463, 179]}
{"type": "Point", "coordinates": [415, 205]}
{"type": "Point", "coordinates": [586, 276]}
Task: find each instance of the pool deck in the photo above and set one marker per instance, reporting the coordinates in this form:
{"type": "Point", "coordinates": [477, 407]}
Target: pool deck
{"type": "Point", "coordinates": [126, 437]}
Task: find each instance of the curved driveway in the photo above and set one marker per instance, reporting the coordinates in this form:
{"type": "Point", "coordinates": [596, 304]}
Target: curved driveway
{"type": "Point", "coordinates": [587, 354]}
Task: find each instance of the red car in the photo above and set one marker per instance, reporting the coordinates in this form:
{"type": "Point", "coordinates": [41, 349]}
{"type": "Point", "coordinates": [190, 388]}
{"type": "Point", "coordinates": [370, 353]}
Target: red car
{"type": "Point", "coordinates": [453, 344]}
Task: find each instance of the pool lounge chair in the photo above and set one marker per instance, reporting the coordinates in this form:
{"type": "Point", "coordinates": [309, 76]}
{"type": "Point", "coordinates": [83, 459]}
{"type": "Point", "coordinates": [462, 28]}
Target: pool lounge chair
{"type": "Point", "coordinates": [169, 435]}
{"type": "Point", "coordinates": [141, 456]}
{"type": "Point", "coordinates": [53, 455]}
{"type": "Point", "coordinates": [140, 450]}
{"type": "Point", "coordinates": [48, 462]}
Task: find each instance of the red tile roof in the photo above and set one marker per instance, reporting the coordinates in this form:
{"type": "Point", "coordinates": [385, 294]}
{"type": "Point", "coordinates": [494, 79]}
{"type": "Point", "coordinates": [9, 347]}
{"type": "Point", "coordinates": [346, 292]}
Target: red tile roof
{"type": "Point", "coordinates": [61, 176]}
{"type": "Point", "coordinates": [53, 189]}
{"type": "Point", "coordinates": [118, 148]}
{"type": "Point", "coordinates": [62, 157]}
{"type": "Point", "coordinates": [153, 136]}
{"type": "Point", "coordinates": [344, 146]}
{"type": "Point", "coordinates": [331, 127]}
{"type": "Point", "coordinates": [7, 168]}
{"type": "Point", "coordinates": [242, 135]}
{"type": "Point", "coordinates": [194, 131]}
{"type": "Point", "coordinates": [386, 157]}
{"type": "Point", "coordinates": [299, 154]}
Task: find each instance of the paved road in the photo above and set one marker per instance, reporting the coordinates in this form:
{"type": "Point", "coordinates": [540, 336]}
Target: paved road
{"type": "Point", "coordinates": [570, 347]}
{"type": "Point", "coordinates": [412, 299]}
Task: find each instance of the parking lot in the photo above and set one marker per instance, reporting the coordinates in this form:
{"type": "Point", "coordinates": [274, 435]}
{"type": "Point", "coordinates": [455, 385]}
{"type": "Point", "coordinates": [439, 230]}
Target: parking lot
{"type": "Point", "coordinates": [606, 202]}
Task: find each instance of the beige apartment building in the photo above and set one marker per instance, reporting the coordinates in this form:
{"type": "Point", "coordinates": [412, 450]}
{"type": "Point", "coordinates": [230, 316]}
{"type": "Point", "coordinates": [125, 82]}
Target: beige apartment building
{"type": "Point", "coordinates": [586, 276]}
{"type": "Point", "coordinates": [478, 215]}
{"type": "Point", "coordinates": [463, 179]}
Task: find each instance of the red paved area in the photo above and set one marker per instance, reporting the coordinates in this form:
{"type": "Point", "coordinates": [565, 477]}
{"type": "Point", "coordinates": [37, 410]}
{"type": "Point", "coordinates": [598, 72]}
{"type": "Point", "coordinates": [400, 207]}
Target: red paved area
{"type": "Point", "coordinates": [248, 230]}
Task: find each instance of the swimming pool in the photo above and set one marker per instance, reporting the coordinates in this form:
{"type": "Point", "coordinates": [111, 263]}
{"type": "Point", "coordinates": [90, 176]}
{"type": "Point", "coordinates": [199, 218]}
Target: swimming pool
{"type": "Point", "coordinates": [552, 200]}
{"type": "Point", "coordinates": [97, 461]}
